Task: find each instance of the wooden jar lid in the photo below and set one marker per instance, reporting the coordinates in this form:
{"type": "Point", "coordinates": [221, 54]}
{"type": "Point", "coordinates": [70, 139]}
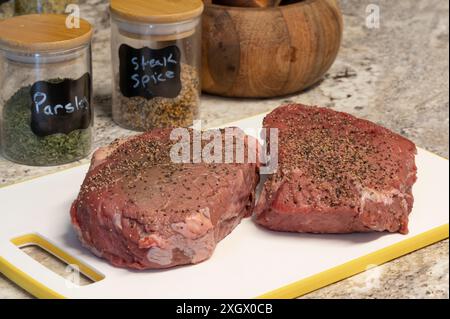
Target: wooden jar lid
{"type": "Point", "coordinates": [43, 33]}
{"type": "Point", "coordinates": [157, 11]}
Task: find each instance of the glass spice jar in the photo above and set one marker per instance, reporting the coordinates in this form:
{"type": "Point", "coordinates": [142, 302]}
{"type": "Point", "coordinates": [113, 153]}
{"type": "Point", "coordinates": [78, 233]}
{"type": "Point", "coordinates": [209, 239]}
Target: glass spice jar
{"type": "Point", "coordinates": [6, 9]}
{"type": "Point", "coordinates": [42, 6]}
{"type": "Point", "coordinates": [156, 59]}
{"type": "Point", "coordinates": [46, 88]}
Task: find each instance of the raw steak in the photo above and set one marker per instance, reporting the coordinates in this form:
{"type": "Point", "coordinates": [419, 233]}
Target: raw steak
{"type": "Point", "coordinates": [139, 210]}
{"type": "Point", "coordinates": [337, 174]}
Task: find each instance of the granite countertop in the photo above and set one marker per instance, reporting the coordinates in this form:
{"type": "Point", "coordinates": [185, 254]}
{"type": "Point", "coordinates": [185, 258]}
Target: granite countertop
{"type": "Point", "coordinates": [396, 75]}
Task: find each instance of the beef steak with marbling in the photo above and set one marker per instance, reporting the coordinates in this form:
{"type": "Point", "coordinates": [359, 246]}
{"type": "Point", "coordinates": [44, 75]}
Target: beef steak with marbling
{"type": "Point", "coordinates": [139, 210]}
{"type": "Point", "coordinates": [337, 174]}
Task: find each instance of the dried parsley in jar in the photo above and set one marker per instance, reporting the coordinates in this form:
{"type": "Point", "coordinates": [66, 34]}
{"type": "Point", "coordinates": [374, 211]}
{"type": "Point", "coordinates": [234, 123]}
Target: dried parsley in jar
{"type": "Point", "coordinates": [45, 101]}
{"type": "Point", "coordinates": [6, 9]}
{"type": "Point", "coordinates": [42, 6]}
{"type": "Point", "coordinates": [22, 145]}
{"type": "Point", "coordinates": [156, 51]}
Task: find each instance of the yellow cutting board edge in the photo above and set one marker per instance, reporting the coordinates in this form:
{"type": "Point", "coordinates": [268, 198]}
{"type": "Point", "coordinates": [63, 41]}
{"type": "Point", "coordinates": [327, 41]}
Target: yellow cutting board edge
{"type": "Point", "coordinates": [359, 265]}
{"type": "Point", "coordinates": [295, 290]}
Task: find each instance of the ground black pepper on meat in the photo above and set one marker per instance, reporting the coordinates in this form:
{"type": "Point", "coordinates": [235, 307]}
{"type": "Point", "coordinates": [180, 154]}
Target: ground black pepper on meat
{"type": "Point", "coordinates": [343, 161]}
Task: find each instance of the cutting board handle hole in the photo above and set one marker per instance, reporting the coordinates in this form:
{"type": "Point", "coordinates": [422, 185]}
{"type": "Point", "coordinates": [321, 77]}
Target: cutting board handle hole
{"type": "Point", "coordinates": [57, 260]}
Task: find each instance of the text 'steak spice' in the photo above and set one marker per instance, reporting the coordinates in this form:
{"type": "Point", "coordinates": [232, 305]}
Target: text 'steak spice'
{"type": "Point", "coordinates": [46, 97]}
{"type": "Point", "coordinates": [156, 48]}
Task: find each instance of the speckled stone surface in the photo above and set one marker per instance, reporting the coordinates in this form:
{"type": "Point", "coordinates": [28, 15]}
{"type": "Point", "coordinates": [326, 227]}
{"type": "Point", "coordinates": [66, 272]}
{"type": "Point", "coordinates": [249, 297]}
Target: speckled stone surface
{"type": "Point", "coordinates": [396, 75]}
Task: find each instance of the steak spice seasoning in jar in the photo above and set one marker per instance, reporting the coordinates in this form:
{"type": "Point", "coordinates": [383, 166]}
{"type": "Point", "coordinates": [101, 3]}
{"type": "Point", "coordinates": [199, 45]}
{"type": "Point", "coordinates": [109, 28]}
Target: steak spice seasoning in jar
{"type": "Point", "coordinates": [156, 52]}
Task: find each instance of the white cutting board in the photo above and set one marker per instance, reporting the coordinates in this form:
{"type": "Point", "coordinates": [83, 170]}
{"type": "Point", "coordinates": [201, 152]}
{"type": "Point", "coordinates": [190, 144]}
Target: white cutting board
{"type": "Point", "coordinates": [249, 263]}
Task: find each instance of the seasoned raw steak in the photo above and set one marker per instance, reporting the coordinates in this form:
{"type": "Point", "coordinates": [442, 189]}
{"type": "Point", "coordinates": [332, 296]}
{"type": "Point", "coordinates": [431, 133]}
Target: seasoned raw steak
{"type": "Point", "coordinates": [139, 210]}
{"type": "Point", "coordinates": [337, 174]}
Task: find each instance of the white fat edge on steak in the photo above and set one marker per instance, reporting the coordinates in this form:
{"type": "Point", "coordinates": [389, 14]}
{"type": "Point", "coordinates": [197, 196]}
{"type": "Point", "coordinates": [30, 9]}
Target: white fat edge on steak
{"type": "Point", "coordinates": [386, 198]}
{"type": "Point", "coordinates": [117, 220]}
{"type": "Point", "coordinates": [195, 226]}
{"type": "Point", "coordinates": [160, 256]}
{"type": "Point", "coordinates": [194, 237]}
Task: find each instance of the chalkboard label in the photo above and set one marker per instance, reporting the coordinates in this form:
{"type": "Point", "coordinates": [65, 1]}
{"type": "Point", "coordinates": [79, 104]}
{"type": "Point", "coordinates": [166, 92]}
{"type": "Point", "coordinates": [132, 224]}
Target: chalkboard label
{"type": "Point", "coordinates": [61, 106]}
{"type": "Point", "coordinates": [150, 73]}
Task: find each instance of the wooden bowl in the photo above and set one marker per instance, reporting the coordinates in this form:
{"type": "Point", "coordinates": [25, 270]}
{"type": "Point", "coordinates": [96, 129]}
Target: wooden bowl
{"type": "Point", "coordinates": [268, 52]}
